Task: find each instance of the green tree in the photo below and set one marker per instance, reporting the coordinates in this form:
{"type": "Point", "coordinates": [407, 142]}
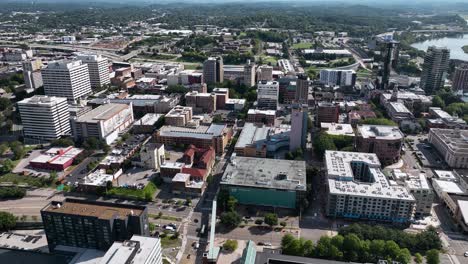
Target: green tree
{"type": "Point", "coordinates": [309, 249]}
{"type": "Point", "coordinates": [351, 247]}
{"type": "Point", "coordinates": [7, 166]}
{"type": "Point", "coordinates": [230, 219]}
{"type": "Point", "coordinates": [231, 204]}
{"type": "Point", "coordinates": [7, 221]}
{"type": "Point", "coordinates": [432, 256]}
{"type": "Point", "coordinates": [271, 219]}
{"type": "Point", "coordinates": [287, 240]}
{"type": "Point", "coordinates": [4, 103]}
{"type": "Point", "coordinates": [377, 247]}
{"type": "Point", "coordinates": [418, 258]}
{"type": "Point", "coordinates": [322, 143]}
{"type": "Point", "coordinates": [230, 245]}
{"type": "Point", "coordinates": [404, 256]}
{"type": "Point", "coordinates": [391, 249]}
{"type": "Point", "coordinates": [379, 121]}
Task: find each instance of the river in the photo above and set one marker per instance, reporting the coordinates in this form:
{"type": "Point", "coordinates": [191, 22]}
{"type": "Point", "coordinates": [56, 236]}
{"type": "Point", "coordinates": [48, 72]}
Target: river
{"type": "Point", "coordinates": [454, 44]}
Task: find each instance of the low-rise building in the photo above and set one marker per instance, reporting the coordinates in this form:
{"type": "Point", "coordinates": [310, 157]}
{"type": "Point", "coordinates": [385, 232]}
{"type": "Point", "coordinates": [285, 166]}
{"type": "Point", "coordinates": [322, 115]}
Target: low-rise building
{"type": "Point", "coordinates": [441, 119]}
{"type": "Point", "coordinates": [146, 124]}
{"type": "Point", "coordinates": [99, 179]}
{"type": "Point", "coordinates": [398, 112]}
{"type": "Point", "coordinates": [422, 193]}
{"type": "Point", "coordinates": [138, 249]}
{"type": "Point", "coordinates": [452, 145]}
{"type": "Point", "coordinates": [258, 140]}
{"type": "Point", "coordinates": [152, 156]}
{"type": "Point", "coordinates": [235, 104]}
{"type": "Point", "coordinates": [201, 102]}
{"type": "Point", "coordinates": [57, 159]}
{"type": "Point", "coordinates": [384, 141]}
{"type": "Point", "coordinates": [266, 117]}
{"type": "Point", "coordinates": [179, 116]}
{"type": "Point", "coordinates": [337, 129]}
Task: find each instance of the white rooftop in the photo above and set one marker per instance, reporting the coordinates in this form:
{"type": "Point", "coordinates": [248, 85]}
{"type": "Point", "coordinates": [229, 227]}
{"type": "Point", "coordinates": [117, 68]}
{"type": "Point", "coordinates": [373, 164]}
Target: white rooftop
{"type": "Point", "coordinates": [399, 107]}
{"type": "Point", "coordinates": [380, 132]}
{"type": "Point", "coordinates": [448, 186]}
{"type": "Point", "coordinates": [128, 251]}
{"type": "Point", "coordinates": [263, 112]}
{"type": "Point", "coordinates": [338, 129]}
{"type": "Point", "coordinates": [418, 183]}
{"type": "Point", "coordinates": [446, 175]}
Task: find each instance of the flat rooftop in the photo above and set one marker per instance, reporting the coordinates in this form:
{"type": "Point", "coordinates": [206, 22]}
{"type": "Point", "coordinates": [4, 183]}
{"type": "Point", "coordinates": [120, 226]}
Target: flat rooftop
{"type": "Point", "coordinates": [42, 100]}
{"type": "Point", "coordinates": [202, 132]}
{"type": "Point", "coordinates": [399, 107]}
{"type": "Point", "coordinates": [445, 175]}
{"type": "Point", "coordinates": [102, 113]}
{"type": "Point", "coordinates": [448, 186]}
{"type": "Point", "coordinates": [338, 129]}
{"type": "Point", "coordinates": [58, 155]}
{"type": "Point", "coordinates": [251, 133]}
{"type": "Point", "coordinates": [418, 183]}
{"type": "Point", "coordinates": [99, 210]}
{"type": "Point", "coordinates": [266, 173]}
{"type": "Point", "coordinates": [380, 132]}
{"type": "Point", "coordinates": [455, 140]}
{"type": "Point", "coordinates": [261, 112]}
{"type": "Point", "coordinates": [149, 119]}
{"type": "Point", "coordinates": [136, 250]}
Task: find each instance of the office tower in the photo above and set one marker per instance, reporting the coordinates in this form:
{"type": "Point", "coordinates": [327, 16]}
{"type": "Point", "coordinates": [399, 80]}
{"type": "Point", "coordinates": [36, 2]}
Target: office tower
{"type": "Point", "coordinates": [139, 249]}
{"type": "Point", "coordinates": [436, 64]}
{"type": "Point", "coordinates": [302, 89]}
{"type": "Point", "coordinates": [69, 79]}
{"type": "Point", "coordinates": [44, 117]}
{"type": "Point", "coordinates": [390, 60]}
{"type": "Point", "coordinates": [267, 94]}
{"type": "Point", "coordinates": [333, 77]}
{"type": "Point", "coordinates": [98, 69]}
{"type": "Point", "coordinates": [32, 74]}
{"type": "Point", "coordinates": [298, 136]}
{"type": "Point", "coordinates": [265, 73]}
{"type": "Point", "coordinates": [213, 70]}
{"type": "Point", "coordinates": [92, 224]}
{"type": "Point", "coordinates": [460, 79]}
{"type": "Point", "coordinates": [249, 74]}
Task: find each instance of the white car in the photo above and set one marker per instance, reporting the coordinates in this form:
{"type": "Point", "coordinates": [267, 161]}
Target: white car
{"type": "Point", "coordinates": [466, 254]}
{"type": "Point", "coordinates": [169, 228]}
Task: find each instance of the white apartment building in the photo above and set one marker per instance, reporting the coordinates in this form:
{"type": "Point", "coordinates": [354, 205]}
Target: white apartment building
{"type": "Point", "coordinates": [333, 77]}
{"type": "Point", "coordinates": [44, 118]}
{"type": "Point", "coordinates": [422, 193]}
{"type": "Point", "coordinates": [139, 249]}
{"type": "Point", "coordinates": [98, 68]}
{"type": "Point", "coordinates": [358, 189]}
{"type": "Point", "coordinates": [267, 94]}
{"type": "Point", "coordinates": [104, 122]}
{"type": "Point", "coordinates": [32, 74]}
{"type": "Point", "coordinates": [452, 144]}
{"type": "Point", "coordinates": [152, 155]}
{"type": "Point", "coordinates": [69, 79]}
{"type": "Point", "coordinates": [264, 73]}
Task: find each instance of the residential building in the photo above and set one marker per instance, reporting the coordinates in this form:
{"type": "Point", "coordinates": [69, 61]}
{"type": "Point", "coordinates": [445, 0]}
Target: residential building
{"type": "Point", "coordinates": [222, 95]}
{"type": "Point", "coordinates": [152, 155]}
{"type": "Point", "coordinates": [460, 79]}
{"type": "Point", "coordinates": [266, 182]}
{"type": "Point", "coordinates": [56, 159]}
{"type": "Point", "coordinates": [179, 116]}
{"type": "Point", "coordinates": [249, 74]}
{"type": "Point", "coordinates": [435, 68]}
{"type": "Point", "coordinates": [384, 141]}
{"type": "Point", "coordinates": [98, 68]}
{"type": "Point", "coordinates": [44, 118]}
{"type": "Point", "coordinates": [201, 102]}
{"type": "Point", "coordinates": [138, 249]}
{"type": "Point", "coordinates": [302, 89]}
{"type": "Point", "coordinates": [332, 77]}
{"type": "Point", "coordinates": [92, 224]}
{"type": "Point", "coordinates": [327, 112]}
{"type": "Point", "coordinates": [267, 94]}
{"type": "Point", "coordinates": [266, 117]}
{"type": "Point", "coordinates": [32, 74]}
{"type": "Point", "coordinates": [264, 73]}
{"type": "Point", "coordinates": [358, 189]}
{"type": "Point", "coordinates": [215, 135]}
{"type": "Point", "coordinates": [419, 188]}
{"type": "Point", "coordinates": [69, 79]}
{"type": "Point", "coordinates": [390, 59]}
{"type": "Point", "coordinates": [258, 140]}
{"type": "Point", "coordinates": [213, 70]}
{"type": "Point", "coordinates": [452, 145]}
{"type": "Point", "coordinates": [104, 122]}
{"type": "Point", "coordinates": [299, 120]}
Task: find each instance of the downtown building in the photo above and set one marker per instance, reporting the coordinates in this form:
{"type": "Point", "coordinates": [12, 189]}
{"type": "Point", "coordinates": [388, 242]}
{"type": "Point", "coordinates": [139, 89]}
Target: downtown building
{"type": "Point", "coordinates": [213, 70]}
{"type": "Point", "coordinates": [267, 95]}
{"type": "Point", "coordinates": [452, 144]}
{"type": "Point", "coordinates": [435, 67]}
{"type": "Point", "coordinates": [32, 74]}
{"type": "Point", "coordinates": [299, 120]}
{"type": "Point", "coordinates": [69, 79]}
{"type": "Point", "coordinates": [384, 141]}
{"type": "Point", "coordinates": [460, 79]}
{"type": "Point", "coordinates": [340, 78]}
{"type": "Point", "coordinates": [358, 189]}
{"type": "Point", "coordinates": [201, 102]}
{"type": "Point", "coordinates": [44, 118]}
{"type": "Point", "coordinates": [98, 67]}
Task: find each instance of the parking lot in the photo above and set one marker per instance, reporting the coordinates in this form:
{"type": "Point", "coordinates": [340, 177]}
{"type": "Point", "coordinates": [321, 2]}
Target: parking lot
{"type": "Point", "coordinates": [34, 240]}
{"type": "Point", "coordinates": [23, 165]}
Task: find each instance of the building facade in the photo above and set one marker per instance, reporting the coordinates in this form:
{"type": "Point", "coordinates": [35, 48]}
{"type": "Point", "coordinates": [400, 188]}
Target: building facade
{"type": "Point", "coordinates": [201, 102]}
{"type": "Point", "coordinates": [452, 145]}
{"type": "Point", "coordinates": [138, 249]}
{"type": "Point", "coordinates": [333, 77]}
{"type": "Point", "coordinates": [266, 117]}
{"type": "Point", "coordinates": [267, 95]}
{"type": "Point", "coordinates": [384, 141]}
{"type": "Point", "coordinates": [435, 67]}
{"type": "Point", "coordinates": [32, 74]}
{"type": "Point", "coordinates": [98, 68]}
{"type": "Point", "coordinates": [299, 119]}
{"type": "Point", "coordinates": [213, 70]}
{"type": "Point", "coordinates": [179, 116]}
{"type": "Point", "coordinates": [327, 112]}
{"type": "Point", "coordinates": [460, 79]}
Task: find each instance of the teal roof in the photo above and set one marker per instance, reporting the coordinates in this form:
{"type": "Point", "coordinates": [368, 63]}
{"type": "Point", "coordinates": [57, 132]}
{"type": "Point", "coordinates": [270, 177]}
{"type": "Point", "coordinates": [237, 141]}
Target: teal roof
{"type": "Point", "coordinates": [213, 252]}
{"type": "Point", "coordinates": [249, 254]}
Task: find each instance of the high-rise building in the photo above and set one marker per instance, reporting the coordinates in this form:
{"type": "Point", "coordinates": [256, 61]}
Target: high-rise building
{"type": "Point", "coordinates": [44, 118]}
{"type": "Point", "coordinates": [139, 249]}
{"type": "Point", "coordinates": [267, 94]}
{"type": "Point", "coordinates": [98, 67]}
{"type": "Point", "coordinates": [213, 70]}
{"type": "Point", "coordinates": [298, 136]}
{"type": "Point", "coordinates": [69, 79]}
{"type": "Point", "coordinates": [333, 77]}
{"type": "Point", "coordinates": [249, 74]}
{"type": "Point", "coordinates": [390, 60]}
{"type": "Point", "coordinates": [436, 64]}
{"type": "Point", "coordinates": [32, 74]}
{"type": "Point", "coordinates": [92, 224]}
{"type": "Point", "coordinates": [264, 73]}
{"type": "Point", "coordinates": [460, 79]}
{"type": "Point", "coordinates": [302, 89]}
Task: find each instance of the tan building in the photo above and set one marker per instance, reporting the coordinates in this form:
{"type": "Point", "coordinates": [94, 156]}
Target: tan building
{"type": "Point", "coordinates": [327, 112]}
{"type": "Point", "coordinates": [266, 117]}
{"type": "Point", "coordinates": [179, 116]}
{"type": "Point", "coordinates": [452, 145]}
{"type": "Point", "coordinates": [201, 102]}
{"type": "Point", "coordinates": [384, 141]}
{"type": "Point", "coordinates": [222, 95]}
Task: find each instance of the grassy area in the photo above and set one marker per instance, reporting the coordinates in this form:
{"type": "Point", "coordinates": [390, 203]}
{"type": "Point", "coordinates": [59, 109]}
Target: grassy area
{"type": "Point", "coordinates": [166, 217]}
{"type": "Point", "coordinates": [302, 45]}
{"type": "Point", "coordinates": [22, 180]}
{"type": "Point", "coordinates": [170, 242]}
{"type": "Point", "coordinates": [269, 59]}
{"type": "Point", "coordinates": [363, 73]}
{"type": "Point", "coordinates": [146, 193]}
{"type": "Point", "coordinates": [193, 66]}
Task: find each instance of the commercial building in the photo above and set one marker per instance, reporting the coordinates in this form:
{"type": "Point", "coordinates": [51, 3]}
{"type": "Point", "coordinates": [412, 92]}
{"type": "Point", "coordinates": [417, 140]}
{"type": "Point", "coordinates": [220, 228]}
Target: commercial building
{"type": "Point", "coordinates": [264, 73]}
{"type": "Point", "coordinates": [17, 55]}
{"type": "Point", "coordinates": [216, 136]}
{"type": "Point", "coordinates": [358, 189]}
{"type": "Point", "coordinates": [142, 103]}
{"type": "Point", "coordinates": [266, 117]}
{"type": "Point", "coordinates": [147, 124]}
{"type": "Point", "coordinates": [460, 79]}
{"type": "Point", "coordinates": [333, 77]}
{"type": "Point", "coordinates": [441, 119]}
{"type": "Point", "coordinates": [302, 89]}
{"type": "Point", "coordinates": [435, 68]}
{"type": "Point", "coordinates": [286, 66]}
{"type": "Point", "coordinates": [266, 182]}
{"type": "Point", "coordinates": [452, 145]}
{"type": "Point", "coordinates": [249, 74]}
{"type": "Point", "coordinates": [213, 70]}
{"type": "Point", "coordinates": [152, 156]}
{"type": "Point", "coordinates": [398, 112]}
{"type": "Point", "coordinates": [32, 74]}
{"type": "Point", "coordinates": [99, 179]}
{"type": "Point", "coordinates": [179, 116]}
{"type": "Point", "coordinates": [104, 122]}
{"type": "Point", "coordinates": [258, 140]}
{"type": "Point", "coordinates": [235, 104]}
{"type": "Point", "coordinates": [69, 79]}
{"type": "Point", "coordinates": [44, 118]}
{"type": "Point", "coordinates": [299, 120]}
{"type": "Point", "coordinates": [337, 129]}
{"type": "Point", "coordinates": [92, 224]}
{"type": "Point", "coordinates": [57, 159]}
{"type": "Point", "coordinates": [222, 95]}
{"type": "Point", "coordinates": [390, 60]}
{"type": "Point", "coordinates": [267, 94]}
{"type": "Point", "coordinates": [98, 68]}
{"type": "Point", "coordinates": [201, 102]}
{"type": "Point", "coordinates": [419, 188]}
{"type": "Point", "coordinates": [327, 112]}
{"type": "Point", "coordinates": [138, 249]}
{"type": "Point", "coordinates": [384, 141]}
